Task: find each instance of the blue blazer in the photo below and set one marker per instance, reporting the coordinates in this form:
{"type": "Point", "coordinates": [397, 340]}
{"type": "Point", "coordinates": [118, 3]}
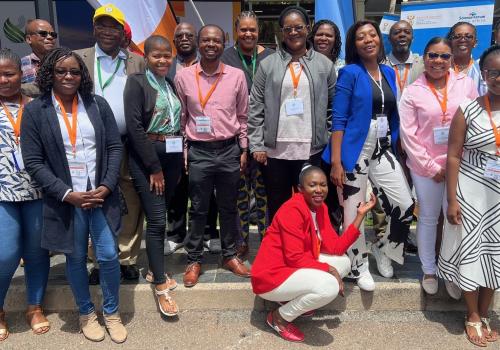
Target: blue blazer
{"type": "Point", "coordinates": [352, 111]}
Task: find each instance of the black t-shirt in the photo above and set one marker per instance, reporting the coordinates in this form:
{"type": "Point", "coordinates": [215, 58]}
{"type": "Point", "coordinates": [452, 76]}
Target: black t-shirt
{"type": "Point", "coordinates": [389, 99]}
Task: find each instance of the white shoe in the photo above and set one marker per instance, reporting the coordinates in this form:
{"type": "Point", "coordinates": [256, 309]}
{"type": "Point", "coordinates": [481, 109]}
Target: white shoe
{"type": "Point", "coordinates": [384, 264]}
{"type": "Point", "coordinates": [170, 247]}
{"type": "Point", "coordinates": [453, 290]}
{"type": "Point", "coordinates": [214, 245]}
{"type": "Point", "coordinates": [430, 285]}
{"type": "Point", "coordinates": [366, 282]}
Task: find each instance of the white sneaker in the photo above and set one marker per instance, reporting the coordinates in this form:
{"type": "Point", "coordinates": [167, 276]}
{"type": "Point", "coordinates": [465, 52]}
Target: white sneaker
{"type": "Point", "coordinates": [384, 264]}
{"type": "Point", "coordinates": [366, 282]}
{"type": "Point", "coordinates": [214, 245]}
{"type": "Point", "coordinates": [170, 247]}
{"type": "Point", "coordinates": [430, 285]}
{"type": "Point", "coordinates": [453, 290]}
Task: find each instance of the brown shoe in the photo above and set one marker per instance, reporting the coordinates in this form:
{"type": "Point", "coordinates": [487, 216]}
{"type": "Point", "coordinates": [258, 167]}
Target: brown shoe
{"type": "Point", "coordinates": [191, 274]}
{"type": "Point", "coordinates": [236, 266]}
{"type": "Point", "coordinates": [115, 327]}
{"type": "Point", "coordinates": [242, 250]}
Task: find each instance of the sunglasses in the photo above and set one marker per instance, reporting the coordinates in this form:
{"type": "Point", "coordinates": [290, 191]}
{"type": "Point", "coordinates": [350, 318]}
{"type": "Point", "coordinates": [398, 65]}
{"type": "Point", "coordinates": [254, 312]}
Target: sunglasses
{"type": "Point", "coordinates": [61, 73]}
{"type": "Point", "coordinates": [443, 56]}
{"type": "Point", "coordinates": [492, 74]}
{"type": "Point", "coordinates": [44, 34]}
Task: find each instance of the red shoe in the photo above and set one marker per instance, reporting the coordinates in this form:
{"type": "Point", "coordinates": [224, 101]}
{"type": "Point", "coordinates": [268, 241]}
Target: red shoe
{"type": "Point", "coordinates": [290, 332]}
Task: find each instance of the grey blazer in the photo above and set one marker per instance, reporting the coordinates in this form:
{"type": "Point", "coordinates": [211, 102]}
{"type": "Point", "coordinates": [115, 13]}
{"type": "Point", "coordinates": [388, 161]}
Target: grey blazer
{"type": "Point", "coordinates": [45, 160]}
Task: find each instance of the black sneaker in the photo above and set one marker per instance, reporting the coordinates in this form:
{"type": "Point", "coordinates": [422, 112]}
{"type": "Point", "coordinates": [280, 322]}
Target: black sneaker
{"type": "Point", "coordinates": [94, 277]}
{"type": "Point", "coordinates": [130, 272]}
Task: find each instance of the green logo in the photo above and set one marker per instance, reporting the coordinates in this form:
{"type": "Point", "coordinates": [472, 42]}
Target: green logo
{"type": "Point", "coordinates": [12, 32]}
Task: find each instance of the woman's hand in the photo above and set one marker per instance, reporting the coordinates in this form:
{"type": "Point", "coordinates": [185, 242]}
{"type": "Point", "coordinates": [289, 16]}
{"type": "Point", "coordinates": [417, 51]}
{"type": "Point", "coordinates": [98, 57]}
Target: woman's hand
{"type": "Point", "coordinates": [366, 207]}
{"type": "Point", "coordinates": [454, 213]}
{"type": "Point", "coordinates": [260, 157]}
{"type": "Point", "coordinates": [439, 177]}
{"type": "Point", "coordinates": [333, 271]}
{"type": "Point", "coordinates": [337, 175]}
{"type": "Point", "coordinates": [157, 183]}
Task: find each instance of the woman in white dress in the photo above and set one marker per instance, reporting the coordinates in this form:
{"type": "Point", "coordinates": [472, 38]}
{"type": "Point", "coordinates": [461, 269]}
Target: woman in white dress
{"type": "Point", "coordinates": [470, 253]}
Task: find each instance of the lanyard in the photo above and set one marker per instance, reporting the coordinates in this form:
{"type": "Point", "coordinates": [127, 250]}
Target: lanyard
{"type": "Point", "coordinates": [402, 84]}
{"type": "Point", "coordinates": [455, 67]}
{"type": "Point", "coordinates": [379, 85]}
{"type": "Point", "coordinates": [496, 130]}
{"type": "Point", "coordinates": [244, 61]}
{"type": "Point", "coordinates": [295, 78]}
{"type": "Point", "coordinates": [442, 103]}
{"type": "Point", "coordinates": [74, 116]}
{"type": "Point", "coordinates": [203, 101]}
{"type": "Point", "coordinates": [16, 125]}
{"type": "Point", "coordinates": [110, 79]}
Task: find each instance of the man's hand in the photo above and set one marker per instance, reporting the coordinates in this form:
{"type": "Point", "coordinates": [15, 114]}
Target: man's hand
{"type": "Point", "coordinates": [83, 200]}
{"type": "Point", "coordinates": [243, 161]}
{"type": "Point", "coordinates": [260, 157]}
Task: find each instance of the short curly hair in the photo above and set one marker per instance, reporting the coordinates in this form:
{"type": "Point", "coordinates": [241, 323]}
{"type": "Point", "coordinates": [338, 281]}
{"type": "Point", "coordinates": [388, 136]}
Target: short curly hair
{"type": "Point", "coordinates": [45, 75]}
{"type": "Point", "coordinates": [337, 46]}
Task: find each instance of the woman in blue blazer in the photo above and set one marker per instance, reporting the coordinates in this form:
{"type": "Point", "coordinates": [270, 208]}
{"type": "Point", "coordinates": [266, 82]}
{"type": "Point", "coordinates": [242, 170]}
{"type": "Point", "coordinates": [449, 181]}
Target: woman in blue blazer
{"type": "Point", "coordinates": [363, 147]}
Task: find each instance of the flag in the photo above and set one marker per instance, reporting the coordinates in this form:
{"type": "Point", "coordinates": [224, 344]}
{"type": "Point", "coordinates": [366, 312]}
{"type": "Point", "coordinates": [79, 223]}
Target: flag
{"type": "Point", "coordinates": [145, 18]}
{"type": "Point", "coordinates": [341, 12]}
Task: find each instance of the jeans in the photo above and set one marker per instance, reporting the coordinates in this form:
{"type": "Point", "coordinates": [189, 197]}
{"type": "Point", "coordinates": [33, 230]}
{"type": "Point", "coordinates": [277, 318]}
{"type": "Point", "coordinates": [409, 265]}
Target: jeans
{"type": "Point", "coordinates": [20, 237]}
{"type": "Point", "coordinates": [94, 222]}
{"type": "Point", "coordinates": [154, 206]}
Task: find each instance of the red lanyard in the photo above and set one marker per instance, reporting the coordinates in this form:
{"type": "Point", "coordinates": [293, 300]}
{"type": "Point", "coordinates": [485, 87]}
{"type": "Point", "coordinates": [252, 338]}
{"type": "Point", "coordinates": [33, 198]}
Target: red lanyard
{"type": "Point", "coordinates": [16, 124]}
{"type": "Point", "coordinates": [203, 101]}
{"type": "Point", "coordinates": [442, 103]}
{"type": "Point", "coordinates": [496, 130]}
{"type": "Point", "coordinates": [402, 84]}
{"type": "Point", "coordinates": [74, 116]}
{"type": "Point", "coordinates": [295, 78]}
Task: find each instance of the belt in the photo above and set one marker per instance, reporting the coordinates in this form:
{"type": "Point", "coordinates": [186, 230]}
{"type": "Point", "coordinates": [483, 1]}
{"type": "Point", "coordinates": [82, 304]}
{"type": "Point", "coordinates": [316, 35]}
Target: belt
{"type": "Point", "coordinates": [213, 144]}
{"type": "Point", "coordinates": [159, 137]}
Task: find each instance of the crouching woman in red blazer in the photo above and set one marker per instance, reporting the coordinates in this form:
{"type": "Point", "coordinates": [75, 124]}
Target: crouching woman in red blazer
{"type": "Point", "coordinates": [301, 259]}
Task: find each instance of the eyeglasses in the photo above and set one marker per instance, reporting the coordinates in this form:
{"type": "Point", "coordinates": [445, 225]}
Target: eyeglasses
{"type": "Point", "coordinates": [112, 30]}
{"type": "Point", "coordinates": [492, 74]}
{"type": "Point", "coordinates": [298, 29]}
{"type": "Point", "coordinates": [466, 37]}
{"type": "Point", "coordinates": [44, 34]}
{"type": "Point", "coordinates": [61, 73]}
{"type": "Point", "coordinates": [443, 56]}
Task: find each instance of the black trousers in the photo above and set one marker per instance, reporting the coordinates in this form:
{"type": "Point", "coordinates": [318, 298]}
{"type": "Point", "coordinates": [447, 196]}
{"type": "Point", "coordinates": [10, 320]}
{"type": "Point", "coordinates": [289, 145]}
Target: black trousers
{"type": "Point", "coordinates": [281, 178]}
{"type": "Point", "coordinates": [335, 211]}
{"type": "Point", "coordinates": [154, 206]}
{"type": "Point", "coordinates": [211, 169]}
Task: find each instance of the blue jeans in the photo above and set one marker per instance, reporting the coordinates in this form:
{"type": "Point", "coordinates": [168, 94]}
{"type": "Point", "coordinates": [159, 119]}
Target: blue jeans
{"type": "Point", "coordinates": [94, 222]}
{"type": "Point", "coordinates": [20, 237]}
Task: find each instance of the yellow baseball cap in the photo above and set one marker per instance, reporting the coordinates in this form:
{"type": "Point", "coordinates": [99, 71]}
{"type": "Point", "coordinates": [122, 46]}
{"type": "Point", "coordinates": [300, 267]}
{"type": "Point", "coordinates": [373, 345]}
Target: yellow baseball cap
{"type": "Point", "coordinates": [112, 11]}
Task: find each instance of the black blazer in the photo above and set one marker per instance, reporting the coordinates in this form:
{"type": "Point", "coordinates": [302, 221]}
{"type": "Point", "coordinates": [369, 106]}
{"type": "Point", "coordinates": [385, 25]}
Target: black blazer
{"type": "Point", "coordinates": [45, 160]}
{"type": "Point", "coordinates": [139, 98]}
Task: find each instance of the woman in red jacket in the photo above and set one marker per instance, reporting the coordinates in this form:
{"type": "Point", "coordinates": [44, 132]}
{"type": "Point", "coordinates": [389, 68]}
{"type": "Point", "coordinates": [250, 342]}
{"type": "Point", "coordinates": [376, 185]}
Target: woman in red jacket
{"type": "Point", "coordinates": [301, 259]}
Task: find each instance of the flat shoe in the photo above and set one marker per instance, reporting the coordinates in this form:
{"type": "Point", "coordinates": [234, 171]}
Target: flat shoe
{"type": "Point", "coordinates": [37, 328]}
{"type": "Point", "coordinates": [492, 335]}
{"type": "Point", "coordinates": [430, 285]}
{"type": "Point", "coordinates": [173, 308]}
{"type": "Point", "coordinates": [116, 329]}
{"type": "Point", "coordinates": [91, 328]}
{"type": "Point", "coordinates": [479, 332]}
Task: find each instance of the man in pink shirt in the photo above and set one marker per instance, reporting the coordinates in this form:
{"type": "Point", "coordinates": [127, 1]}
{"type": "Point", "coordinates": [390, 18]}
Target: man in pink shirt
{"type": "Point", "coordinates": [214, 102]}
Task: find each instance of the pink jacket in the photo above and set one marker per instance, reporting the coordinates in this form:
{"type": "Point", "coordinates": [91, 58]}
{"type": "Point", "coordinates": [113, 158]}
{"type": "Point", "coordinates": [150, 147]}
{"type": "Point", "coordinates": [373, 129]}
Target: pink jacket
{"type": "Point", "coordinates": [420, 113]}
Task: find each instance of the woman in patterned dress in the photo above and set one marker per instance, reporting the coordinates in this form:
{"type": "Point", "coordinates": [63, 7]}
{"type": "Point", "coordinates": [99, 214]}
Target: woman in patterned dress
{"type": "Point", "coordinates": [20, 204]}
{"type": "Point", "coordinates": [470, 252]}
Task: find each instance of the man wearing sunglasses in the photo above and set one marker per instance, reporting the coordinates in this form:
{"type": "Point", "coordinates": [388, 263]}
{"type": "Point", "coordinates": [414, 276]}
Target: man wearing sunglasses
{"type": "Point", "coordinates": [109, 65]}
{"type": "Point", "coordinates": [41, 37]}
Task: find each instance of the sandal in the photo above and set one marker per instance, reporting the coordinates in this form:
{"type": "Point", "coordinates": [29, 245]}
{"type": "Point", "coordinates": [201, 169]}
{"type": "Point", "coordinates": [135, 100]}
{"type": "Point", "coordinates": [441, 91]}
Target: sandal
{"type": "Point", "coordinates": [173, 309]}
{"type": "Point", "coordinates": [37, 328]}
{"type": "Point", "coordinates": [171, 283]}
{"type": "Point", "coordinates": [477, 326]}
{"type": "Point", "coordinates": [4, 331]}
{"type": "Point", "coordinates": [492, 336]}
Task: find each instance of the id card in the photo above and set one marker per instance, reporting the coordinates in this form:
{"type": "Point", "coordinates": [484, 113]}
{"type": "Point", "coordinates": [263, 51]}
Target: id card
{"type": "Point", "coordinates": [17, 158]}
{"type": "Point", "coordinates": [203, 125]}
{"type": "Point", "coordinates": [441, 135]}
{"type": "Point", "coordinates": [78, 169]}
{"type": "Point", "coordinates": [382, 125]}
{"type": "Point", "coordinates": [173, 144]}
{"type": "Point", "coordinates": [294, 106]}
{"type": "Point", "coordinates": [492, 170]}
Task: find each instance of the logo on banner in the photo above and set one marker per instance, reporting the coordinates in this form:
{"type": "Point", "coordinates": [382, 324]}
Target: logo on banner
{"type": "Point", "coordinates": [411, 19]}
{"type": "Point", "coordinates": [474, 18]}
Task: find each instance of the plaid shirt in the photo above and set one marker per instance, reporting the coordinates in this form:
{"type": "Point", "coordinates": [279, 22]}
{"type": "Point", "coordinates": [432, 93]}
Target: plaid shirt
{"type": "Point", "coordinates": [29, 66]}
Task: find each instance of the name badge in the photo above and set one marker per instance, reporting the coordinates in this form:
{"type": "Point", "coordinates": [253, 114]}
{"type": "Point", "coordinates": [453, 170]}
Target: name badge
{"type": "Point", "coordinates": [294, 106]}
{"type": "Point", "coordinates": [173, 144]}
{"type": "Point", "coordinates": [492, 170]}
{"type": "Point", "coordinates": [78, 169]}
{"type": "Point", "coordinates": [17, 159]}
{"type": "Point", "coordinates": [382, 125]}
{"type": "Point", "coordinates": [441, 135]}
{"type": "Point", "coordinates": [203, 124]}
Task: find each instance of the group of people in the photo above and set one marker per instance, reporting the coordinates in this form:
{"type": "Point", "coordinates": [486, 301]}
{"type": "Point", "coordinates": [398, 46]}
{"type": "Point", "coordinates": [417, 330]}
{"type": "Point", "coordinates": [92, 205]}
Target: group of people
{"type": "Point", "coordinates": [95, 141]}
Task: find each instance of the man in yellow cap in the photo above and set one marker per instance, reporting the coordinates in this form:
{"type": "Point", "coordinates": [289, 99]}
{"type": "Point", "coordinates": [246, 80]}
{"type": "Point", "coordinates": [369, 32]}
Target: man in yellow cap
{"type": "Point", "coordinates": [109, 65]}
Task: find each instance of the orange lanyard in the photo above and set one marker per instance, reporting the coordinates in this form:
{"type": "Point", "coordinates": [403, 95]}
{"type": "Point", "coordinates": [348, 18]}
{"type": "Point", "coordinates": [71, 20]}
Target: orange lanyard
{"type": "Point", "coordinates": [405, 76]}
{"type": "Point", "coordinates": [496, 130]}
{"type": "Point", "coordinates": [203, 101]}
{"type": "Point", "coordinates": [295, 78]}
{"type": "Point", "coordinates": [16, 124]}
{"type": "Point", "coordinates": [442, 103]}
{"type": "Point", "coordinates": [74, 116]}
{"type": "Point", "coordinates": [455, 67]}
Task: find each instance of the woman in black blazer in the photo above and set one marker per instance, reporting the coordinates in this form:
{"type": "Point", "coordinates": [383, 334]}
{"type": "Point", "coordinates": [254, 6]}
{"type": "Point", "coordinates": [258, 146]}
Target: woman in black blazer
{"type": "Point", "coordinates": [152, 113]}
{"type": "Point", "coordinates": [71, 147]}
